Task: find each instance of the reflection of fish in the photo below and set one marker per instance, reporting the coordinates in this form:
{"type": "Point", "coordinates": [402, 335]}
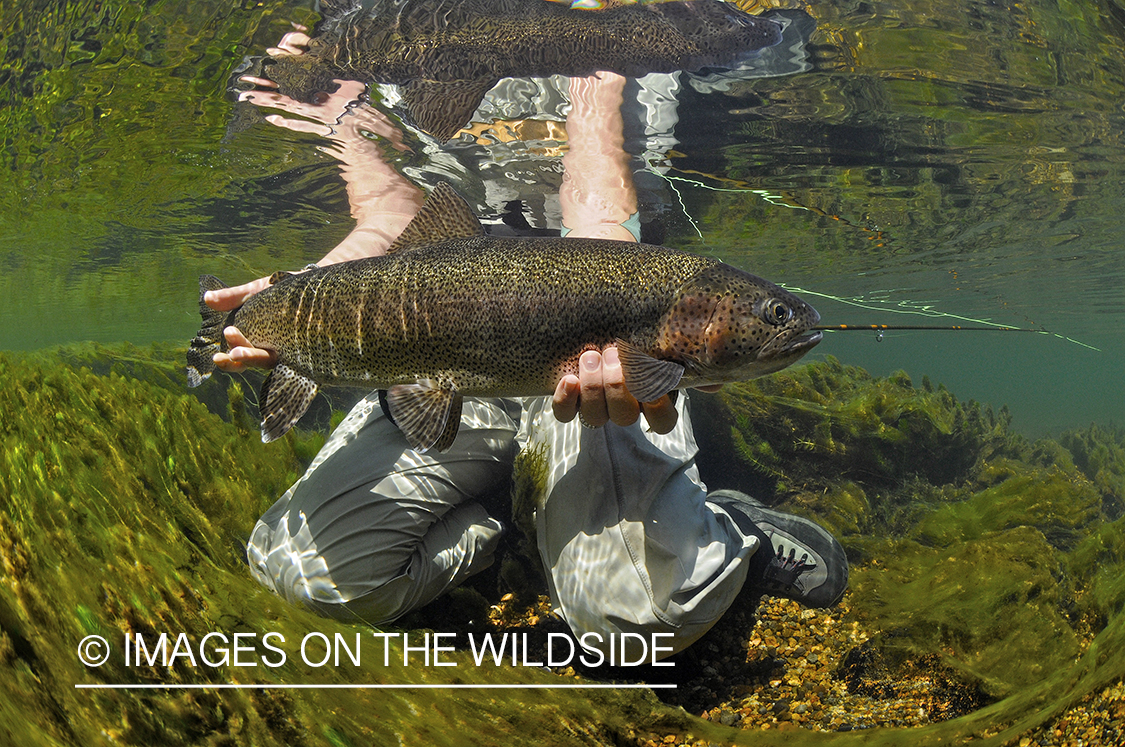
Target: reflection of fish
{"type": "Point", "coordinates": [446, 54]}
{"type": "Point", "coordinates": [453, 312]}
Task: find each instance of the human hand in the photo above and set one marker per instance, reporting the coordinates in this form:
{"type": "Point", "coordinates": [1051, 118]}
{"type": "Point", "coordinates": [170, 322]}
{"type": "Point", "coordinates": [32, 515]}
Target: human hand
{"type": "Point", "coordinates": [598, 392]}
{"type": "Point", "coordinates": [241, 353]}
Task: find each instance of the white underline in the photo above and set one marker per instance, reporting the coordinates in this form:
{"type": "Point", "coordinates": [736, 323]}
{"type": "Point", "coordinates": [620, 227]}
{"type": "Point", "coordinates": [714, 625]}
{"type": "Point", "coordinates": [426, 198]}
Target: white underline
{"type": "Point", "coordinates": [231, 686]}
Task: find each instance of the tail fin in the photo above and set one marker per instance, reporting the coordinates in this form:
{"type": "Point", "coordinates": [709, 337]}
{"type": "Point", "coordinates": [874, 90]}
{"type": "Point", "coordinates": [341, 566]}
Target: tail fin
{"type": "Point", "coordinates": [209, 339]}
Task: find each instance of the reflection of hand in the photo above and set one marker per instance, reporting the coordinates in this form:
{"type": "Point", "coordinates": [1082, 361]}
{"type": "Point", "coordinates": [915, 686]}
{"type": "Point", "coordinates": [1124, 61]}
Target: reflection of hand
{"type": "Point", "coordinates": [328, 112]}
{"type": "Point", "coordinates": [598, 392]}
{"type": "Point", "coordinates": [293, 43]}
{"type": "Point", "coordinates": [382, 201]}
{"type": "Point", "coordinates": [324, 113]}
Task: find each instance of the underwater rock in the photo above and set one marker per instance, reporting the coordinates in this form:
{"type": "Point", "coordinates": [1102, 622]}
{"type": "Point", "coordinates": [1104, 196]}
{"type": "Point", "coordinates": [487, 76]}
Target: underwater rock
{"type": "Point", "coordinates": [812, 425]}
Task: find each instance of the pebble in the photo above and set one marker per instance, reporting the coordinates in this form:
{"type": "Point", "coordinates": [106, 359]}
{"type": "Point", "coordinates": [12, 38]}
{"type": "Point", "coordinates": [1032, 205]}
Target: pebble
{"type": "Point", "coordinates": [783, 678]}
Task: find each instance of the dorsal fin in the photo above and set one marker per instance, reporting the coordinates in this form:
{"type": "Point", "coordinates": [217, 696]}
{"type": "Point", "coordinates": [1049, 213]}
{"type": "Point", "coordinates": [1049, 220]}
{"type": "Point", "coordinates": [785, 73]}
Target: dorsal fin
{"type": "Point", "coordinates": [445, 215]}
{"type": "Point", "coordinates": [442, 108]}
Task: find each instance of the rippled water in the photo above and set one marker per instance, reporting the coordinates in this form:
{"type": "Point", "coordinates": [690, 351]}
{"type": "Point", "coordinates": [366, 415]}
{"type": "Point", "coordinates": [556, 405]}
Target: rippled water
{"type": "Point", "coordinates": [964, 159]}
{"type": "Point", "coordinates": [924, 163]}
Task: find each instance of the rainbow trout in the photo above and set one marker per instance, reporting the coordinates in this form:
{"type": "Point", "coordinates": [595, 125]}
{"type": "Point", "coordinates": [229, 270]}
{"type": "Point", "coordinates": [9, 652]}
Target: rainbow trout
{"type": "Point", "coordinates": [450, 312]}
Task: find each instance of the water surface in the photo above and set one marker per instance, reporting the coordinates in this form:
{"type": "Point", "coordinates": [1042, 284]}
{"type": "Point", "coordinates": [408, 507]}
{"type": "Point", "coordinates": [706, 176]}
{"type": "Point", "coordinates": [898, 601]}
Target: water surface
{"type": "Point", "coordinates": [947, 163]}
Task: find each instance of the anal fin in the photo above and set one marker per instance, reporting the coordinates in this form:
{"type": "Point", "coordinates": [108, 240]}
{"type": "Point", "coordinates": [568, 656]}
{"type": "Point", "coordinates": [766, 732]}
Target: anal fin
{"type": "Point", "coordinates": [284, 398]}
{"type": "Point", "coordinates": [427, 414]}
{"type": "Point", "coordinates": [647, 378]}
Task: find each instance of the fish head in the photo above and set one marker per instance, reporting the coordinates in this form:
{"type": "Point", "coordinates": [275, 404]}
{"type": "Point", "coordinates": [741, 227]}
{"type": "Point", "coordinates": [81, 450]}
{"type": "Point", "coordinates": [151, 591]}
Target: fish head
{"type": "Point", "coordinates": [728, 325]}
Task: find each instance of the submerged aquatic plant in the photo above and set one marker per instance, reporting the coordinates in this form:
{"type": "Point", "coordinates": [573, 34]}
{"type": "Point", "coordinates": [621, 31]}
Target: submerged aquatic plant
{"type": "Point", "coordinates": [124, 504]}
{"type": "Point", "coordinates": [812, 425]}
{"type": "Point", "coordinates": [991, 557]}
{"type": "Point", "coordinates": [124, 508]}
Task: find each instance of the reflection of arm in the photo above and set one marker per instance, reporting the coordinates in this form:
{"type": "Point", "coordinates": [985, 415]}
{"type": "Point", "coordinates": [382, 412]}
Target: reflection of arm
{"type": "Point", "coordinates": [382, 200]}
{"type": "Point", "coordinates": [597, 197]}
{"type": "Point", "coordinates": [597, 193]}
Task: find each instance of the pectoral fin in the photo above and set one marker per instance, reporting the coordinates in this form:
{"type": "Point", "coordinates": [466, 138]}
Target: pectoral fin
{"type": "Point", "coordinates": [647, 378]}
{"type": "Point", "coordinates": [284, 398]}
{"type": "Point", "coordinates": [427, 414]}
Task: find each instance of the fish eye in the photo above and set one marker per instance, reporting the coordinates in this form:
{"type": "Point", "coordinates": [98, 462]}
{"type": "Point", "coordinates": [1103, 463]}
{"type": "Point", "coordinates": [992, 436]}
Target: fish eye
{"type": "Point", "coordinates": [777, 312]}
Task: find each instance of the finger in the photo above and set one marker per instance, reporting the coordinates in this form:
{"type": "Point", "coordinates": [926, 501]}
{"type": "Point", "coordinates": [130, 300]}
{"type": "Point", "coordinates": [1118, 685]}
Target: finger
{"type": "Point", "coordinates": [256, 81]}
{"type": "Point", "coordinates": [661, 414]}
{"type": "Point", "coordinates": [621, 406]}
{"type": "Point", "coordinates": [292, 43]}
{"type": "Point", "coordinates": [235, 338]}
{"type": "Point", "coordinates": [242, 353]}
{"type": "Point", "coordinates": [565, 401]}
{"type": "Point", "coordinates": [227, 299]}
{"type": "Point", "coordinates": [591, 398]}
{"type": "Point", "coordinates": [299, 125]}
{"type": "Point", "coordinates": [254, 357]}
{"type": "Point", "coordinates": [224, 362]}
{"type": "Point", "coordinates": [267, 99]}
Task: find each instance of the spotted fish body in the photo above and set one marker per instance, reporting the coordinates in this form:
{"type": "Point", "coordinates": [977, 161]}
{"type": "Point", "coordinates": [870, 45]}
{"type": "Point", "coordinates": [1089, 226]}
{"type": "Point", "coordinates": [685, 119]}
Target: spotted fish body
{"type": "Point", "coordinates": [451, 312]}
{"type": "Point", "coordinates": [446, 54]}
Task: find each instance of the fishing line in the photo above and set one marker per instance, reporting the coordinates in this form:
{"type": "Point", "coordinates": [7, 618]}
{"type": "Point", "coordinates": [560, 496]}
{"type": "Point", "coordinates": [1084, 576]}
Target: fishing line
{"type": "Point", "coordinates": [929, 313]}
{"type": "Point", "coordinates": [926, 327]}
{"type": "Point", "coordinates": [880, 328]}
{"type": "Point", "coordinates": [778, 200]}
{"type": "Point", "coordinates": [683, 207]}
{"type": "Point", "coordinates": [781, 200]}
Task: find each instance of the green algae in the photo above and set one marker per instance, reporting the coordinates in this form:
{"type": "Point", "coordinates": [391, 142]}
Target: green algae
{"type": "Point", "coordinates": [1005, 562]}
{"type": "Point", "coordinates": [126, 504]}
{"type": "Point", "coordinates": [125, 507]}
{"type": "Point", "coordinates": [1062, 506]}
{"type": "Point", "coordinates": [811, 426]}
{"type": "Point", "coordinates": [975, 603]}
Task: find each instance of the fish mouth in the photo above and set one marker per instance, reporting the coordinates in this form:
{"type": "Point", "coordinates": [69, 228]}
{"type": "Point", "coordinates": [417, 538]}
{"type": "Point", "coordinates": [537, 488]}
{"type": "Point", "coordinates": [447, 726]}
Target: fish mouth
{"type": "Point", "coordinates": [802, 343]}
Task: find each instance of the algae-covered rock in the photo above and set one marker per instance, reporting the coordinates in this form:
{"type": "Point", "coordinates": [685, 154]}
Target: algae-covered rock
{"type": "Point", "coordinates": [990, 606]}
{"type": "Point", "coordinates": [1100, 454]}
{"type": "Point", "coordinates": [812, 425]}
{"type": "Point", "coordinates": [1059, 504]}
